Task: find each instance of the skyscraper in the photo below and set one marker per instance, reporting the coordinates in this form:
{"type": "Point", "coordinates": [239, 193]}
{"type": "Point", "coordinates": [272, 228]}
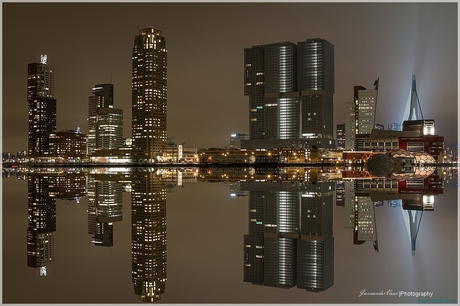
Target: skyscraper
{"type": "Point", "coordinates": [105, 123]}
{"type": "Point", "coordinates": [290, 89]}
{"type": "Point", "coordinates": [149, 95]}
{"type": "Point", "coordinates": [350, 125]}
{"type": "Point", "coordinates": [316, 87]}
{"type": "Point", "coordinates": [365, 108]}
{"type": "Point", "coordinates": [360, 114]}
{"type": "Point", "coordinates": [42, 107]}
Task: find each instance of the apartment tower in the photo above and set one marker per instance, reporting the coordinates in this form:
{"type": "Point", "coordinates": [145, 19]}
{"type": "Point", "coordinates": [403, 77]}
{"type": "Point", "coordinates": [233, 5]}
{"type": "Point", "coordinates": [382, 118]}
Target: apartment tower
{"type": "Point", "coordinates": [149, 95]}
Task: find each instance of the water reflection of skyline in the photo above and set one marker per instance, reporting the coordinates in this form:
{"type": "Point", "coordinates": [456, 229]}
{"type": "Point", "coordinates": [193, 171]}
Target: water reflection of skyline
{"type": "Point", "coordinates": [290, 236]}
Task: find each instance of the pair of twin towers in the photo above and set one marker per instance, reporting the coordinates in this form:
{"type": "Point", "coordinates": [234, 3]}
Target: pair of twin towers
{"type": "Point", "coordinates": [290, 88]}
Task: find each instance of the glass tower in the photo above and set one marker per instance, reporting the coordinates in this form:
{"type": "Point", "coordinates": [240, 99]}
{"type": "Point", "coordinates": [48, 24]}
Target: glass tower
{"type": "Point", "coordinates": [105, 123]}
{"type": "Point", "coordinates": [149, 95]}
{"type": "Point", "coordinates": [316, 87]}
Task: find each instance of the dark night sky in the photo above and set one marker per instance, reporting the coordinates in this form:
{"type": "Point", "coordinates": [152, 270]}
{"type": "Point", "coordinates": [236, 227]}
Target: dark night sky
{"type": "Point", "coordinates": [91, 43]}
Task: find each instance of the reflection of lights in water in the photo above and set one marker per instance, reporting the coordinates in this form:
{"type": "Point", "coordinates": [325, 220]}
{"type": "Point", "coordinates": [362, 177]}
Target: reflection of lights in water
{"type": "Point", "coordinates": [428, 201]}
{"type": "Point", "coordinates": [43, 271]}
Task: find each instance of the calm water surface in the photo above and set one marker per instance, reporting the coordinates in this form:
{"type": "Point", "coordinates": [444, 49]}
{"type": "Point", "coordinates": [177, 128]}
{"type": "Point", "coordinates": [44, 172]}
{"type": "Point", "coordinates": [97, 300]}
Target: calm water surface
{"type": "Point", "coordinates": [188, 236]}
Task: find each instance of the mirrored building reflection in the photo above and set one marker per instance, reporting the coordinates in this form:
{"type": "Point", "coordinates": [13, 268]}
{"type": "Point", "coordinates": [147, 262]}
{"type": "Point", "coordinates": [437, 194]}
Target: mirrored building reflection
{"type": "Point", "coordinates": [290, 240]}
{"type": "Point", "coordinates": [41, 223]}
{"type": "Point", "coordinates": [414, 195]}
{"type": "Point", "coordinates": [105, 207]}
{"type": "Point", "coordinates": [43, 190]}
{"type": "Point", "coordinates": [148, 232]}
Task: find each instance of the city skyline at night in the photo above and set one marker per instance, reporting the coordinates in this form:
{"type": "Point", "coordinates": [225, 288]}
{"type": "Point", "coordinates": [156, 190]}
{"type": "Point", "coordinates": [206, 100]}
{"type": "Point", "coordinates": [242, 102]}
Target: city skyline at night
{"type": "Point", "coordinates": [205, 75]}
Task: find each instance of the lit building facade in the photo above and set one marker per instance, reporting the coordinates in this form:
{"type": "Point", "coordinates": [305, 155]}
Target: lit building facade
{"type": "Point", "coordinates": [42, 107]}
{"type": "Point", "coordinates": [68, 144]}
{"type": "Point", "coordinates": [316, 84]}
{"type": "Point", "coordinates": [394, 126]}
{"type": "Point", "coordinates": [110, 128]}
{"type": "Point", "coordinates": [149, 95]}
{"type": "Point", "coordinates": [416, 136]}
{"type": "Point", "coordinates": [235, 140]}
{"type": "Point", "coordinates": [340, 136]}
{"type": "Point", "coordinates": [105, 123]}
{"type": "Point", "coordinates": [350, 126]}
{"type": "Point", "coordinates": [290, 89]}
{"type": "Point", "coordinates": [360, 114]}
{"type": "Point", "coordinates": [365, 108]}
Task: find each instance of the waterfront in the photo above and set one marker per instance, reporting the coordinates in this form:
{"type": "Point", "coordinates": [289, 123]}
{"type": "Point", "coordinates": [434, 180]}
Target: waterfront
{"type": "Point", "coordinates": [204, 238]}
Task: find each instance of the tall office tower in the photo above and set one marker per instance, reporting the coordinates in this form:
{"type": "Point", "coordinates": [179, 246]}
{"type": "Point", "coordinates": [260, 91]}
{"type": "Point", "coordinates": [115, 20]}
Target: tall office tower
{"type": "Point", "coordinates": [42, 107]}
{"type": "Point", "coordinates": [105, 123]}
{"type": "Point", "coordinates": [149, 95]}
{"type": "Point", "coordinates": [290, 89]}
{"type": "Point", "coordinates": [350, 126]}
{"type": "Point", "coordinates": [316, 86]}
{"type": "Point", "coordinates": [254, 88]}
{"type": "Point", "coordinates": [281, 101]}
{"type": "Point", "coordinates": [365, 108]}
{"type": "Point", "coordinates": [290, 240]}
{"type": "Point", "coordinates": [148, 235]}
{"type": "Point", "coordinates": [42, 222]}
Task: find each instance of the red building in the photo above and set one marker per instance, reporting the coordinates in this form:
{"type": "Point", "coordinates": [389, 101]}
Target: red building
{"type": "Point", "coordinates": [68, 144]}
{"type": "Point", "coordinates": [431, 144]}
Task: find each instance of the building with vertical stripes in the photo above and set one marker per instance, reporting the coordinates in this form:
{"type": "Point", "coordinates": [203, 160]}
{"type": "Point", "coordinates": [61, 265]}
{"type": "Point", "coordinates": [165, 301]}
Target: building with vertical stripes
{"type": "Point", "coordinates": [290, 89]}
